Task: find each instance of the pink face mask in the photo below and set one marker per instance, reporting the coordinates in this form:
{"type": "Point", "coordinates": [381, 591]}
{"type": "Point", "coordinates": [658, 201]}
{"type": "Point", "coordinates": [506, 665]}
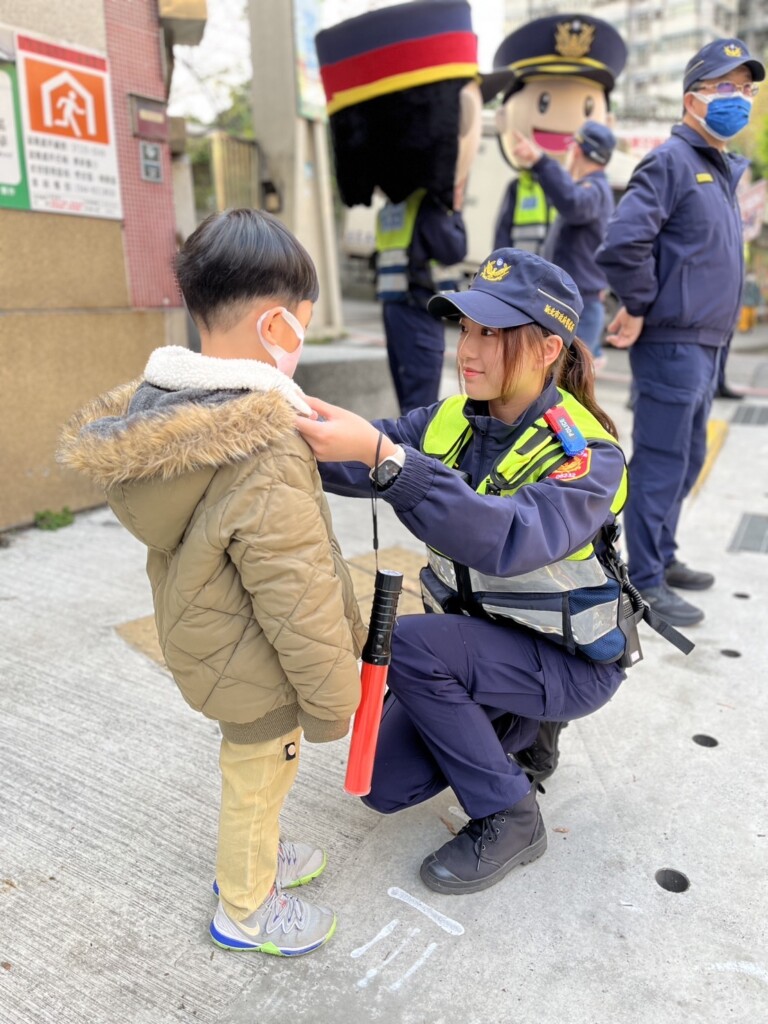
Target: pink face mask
{"type": "Point", "coordinates": [286, 361]}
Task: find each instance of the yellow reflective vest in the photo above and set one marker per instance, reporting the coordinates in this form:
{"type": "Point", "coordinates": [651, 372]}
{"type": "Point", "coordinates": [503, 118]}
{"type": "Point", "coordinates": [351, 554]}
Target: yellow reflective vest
{"type": "Point", "coordinates": [574, 601]}
{"type": "Point", "coordinates": [532, 216]}
{"type": "Point", "coordinates": [395, 225]}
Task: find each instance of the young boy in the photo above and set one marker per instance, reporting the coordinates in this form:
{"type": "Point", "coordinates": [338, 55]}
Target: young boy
{"type": "Point", "coordinates": [254, 605]}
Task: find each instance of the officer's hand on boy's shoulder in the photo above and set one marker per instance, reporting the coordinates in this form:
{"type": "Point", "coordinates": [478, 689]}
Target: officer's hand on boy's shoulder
{"type": "Point", "coordinates": [525, 151]}
{"type": "Point", "coordinates": [338, 435]}
{"type": "Point", "coordinates": [624, 329]}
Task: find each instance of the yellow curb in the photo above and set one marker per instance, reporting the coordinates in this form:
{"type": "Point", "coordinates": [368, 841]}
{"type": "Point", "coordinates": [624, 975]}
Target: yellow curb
{"type": "Point", "coordinates": [717, 431]}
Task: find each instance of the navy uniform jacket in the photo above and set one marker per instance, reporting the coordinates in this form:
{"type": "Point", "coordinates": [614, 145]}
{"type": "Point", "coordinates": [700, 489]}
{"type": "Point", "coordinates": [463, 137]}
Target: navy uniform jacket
{"type": "Point", "coordinates": [673, 251]}
{"type": "Point", "coordinates": [584, 208]}
{"type": "Point", "coordinates": [537, 525]}
{"type": "Point", "coordinates": [438, 234]}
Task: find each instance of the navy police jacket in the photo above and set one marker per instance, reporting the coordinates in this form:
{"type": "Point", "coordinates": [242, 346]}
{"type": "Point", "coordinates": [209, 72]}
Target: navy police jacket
{"type": "Point", "coordinates": [673, 251]}
{"type": "Point", "coordinates": [497, 535]}
{"type": "Point", "coordinates": [584, 208]}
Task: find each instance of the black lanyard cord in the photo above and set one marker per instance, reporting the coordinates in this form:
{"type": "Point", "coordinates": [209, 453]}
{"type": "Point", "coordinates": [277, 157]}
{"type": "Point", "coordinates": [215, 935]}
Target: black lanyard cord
{"type": "Point", "coordinates": [374, 499]}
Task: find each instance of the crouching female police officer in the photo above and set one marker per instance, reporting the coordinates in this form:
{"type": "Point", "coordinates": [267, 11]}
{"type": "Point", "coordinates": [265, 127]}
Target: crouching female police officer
{"type": "Point", "coordinates": [509, 486]}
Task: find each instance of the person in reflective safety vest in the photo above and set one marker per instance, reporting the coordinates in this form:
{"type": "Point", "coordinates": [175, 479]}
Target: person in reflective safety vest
{"type": "Point", "coordinates": [514, 486]}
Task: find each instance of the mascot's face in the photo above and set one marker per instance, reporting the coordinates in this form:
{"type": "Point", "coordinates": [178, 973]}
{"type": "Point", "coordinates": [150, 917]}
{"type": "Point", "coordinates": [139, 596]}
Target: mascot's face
{"type": "Point", "coordinates": [470, 130]}
{"type": "Point", "coordinates": [549, 110]}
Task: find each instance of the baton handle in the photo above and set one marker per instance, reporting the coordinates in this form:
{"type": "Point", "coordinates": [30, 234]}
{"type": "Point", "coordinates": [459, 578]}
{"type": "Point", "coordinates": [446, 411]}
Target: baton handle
{"type": "Point", "coordinates": [373, 679]}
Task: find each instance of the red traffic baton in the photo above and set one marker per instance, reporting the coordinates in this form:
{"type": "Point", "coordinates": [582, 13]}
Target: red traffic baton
{"type": "Point", "coordinates": [377, 654]}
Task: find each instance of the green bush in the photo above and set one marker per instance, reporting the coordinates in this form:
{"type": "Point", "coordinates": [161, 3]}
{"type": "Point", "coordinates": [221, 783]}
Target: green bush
{"type": "Point", "coordinates": [49, 520]}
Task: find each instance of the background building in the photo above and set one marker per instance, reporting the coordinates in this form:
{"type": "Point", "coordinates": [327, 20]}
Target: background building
{"type": "Point", "coordinates": [87, 221]}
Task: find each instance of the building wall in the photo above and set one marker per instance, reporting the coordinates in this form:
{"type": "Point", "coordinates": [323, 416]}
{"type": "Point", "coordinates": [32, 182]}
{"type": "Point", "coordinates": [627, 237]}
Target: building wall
{"type": "Point", "coordinates": [52, 363]}
{"type": "Point", "coordinates": [83, 301]}
{"type": "Point", "coordinates": [134, 49]}
{"type": "Point", "coordinates": [72, 21]}
{"type": "Point", "coordinates": [49, 261]}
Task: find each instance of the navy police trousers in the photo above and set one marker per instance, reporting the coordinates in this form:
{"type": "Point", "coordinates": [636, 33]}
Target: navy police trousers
{"type": "Point", "coordinates": [415, 347]}
{"type": "Point", "coordinates": [673, 385]}
{"type": "Point", "coordinates": [452, 680]}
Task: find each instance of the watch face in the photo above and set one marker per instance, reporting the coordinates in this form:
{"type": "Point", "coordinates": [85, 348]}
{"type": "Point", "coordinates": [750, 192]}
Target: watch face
{"type": "Point", "coordinates": [386, 472]}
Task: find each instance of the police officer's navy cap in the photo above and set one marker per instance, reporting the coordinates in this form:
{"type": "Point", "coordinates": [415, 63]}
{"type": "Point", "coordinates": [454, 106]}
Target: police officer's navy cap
{"type": "Point", "coordinates": [717, 59]}
{"type": "Point", "coordinates": [512, 288]}
{"type": "Point", "coordinates": [596, 140]}
{"type": "Point", "coordinates": [575, 45]}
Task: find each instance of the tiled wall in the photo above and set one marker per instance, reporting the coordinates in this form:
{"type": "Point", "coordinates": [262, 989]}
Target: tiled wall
{"type": "Point", "coordinates": [135, 55]}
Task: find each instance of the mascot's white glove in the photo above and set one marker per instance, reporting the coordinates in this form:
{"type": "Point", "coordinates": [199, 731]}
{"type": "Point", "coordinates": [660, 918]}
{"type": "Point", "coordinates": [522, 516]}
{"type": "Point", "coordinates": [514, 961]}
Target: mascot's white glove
{"type": "Point", "coordinates": [525, 151]}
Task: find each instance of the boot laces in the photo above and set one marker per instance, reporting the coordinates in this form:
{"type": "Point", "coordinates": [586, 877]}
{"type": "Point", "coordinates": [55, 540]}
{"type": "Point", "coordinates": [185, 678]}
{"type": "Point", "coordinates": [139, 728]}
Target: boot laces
{"type": "Point", "coordinates": [484, 831]}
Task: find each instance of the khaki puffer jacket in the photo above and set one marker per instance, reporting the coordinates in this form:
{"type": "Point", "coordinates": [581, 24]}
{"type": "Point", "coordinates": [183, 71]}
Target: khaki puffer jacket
{"type": "Point", "coordinates": [254, 605]}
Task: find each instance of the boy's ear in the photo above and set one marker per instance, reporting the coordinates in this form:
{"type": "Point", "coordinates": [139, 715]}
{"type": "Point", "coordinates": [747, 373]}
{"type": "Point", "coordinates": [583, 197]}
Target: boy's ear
{"type": "Point", "coordinates": [268, 324]}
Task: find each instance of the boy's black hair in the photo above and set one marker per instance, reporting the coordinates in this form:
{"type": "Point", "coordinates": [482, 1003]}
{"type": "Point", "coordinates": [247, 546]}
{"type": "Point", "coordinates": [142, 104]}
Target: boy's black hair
{"type": "Point", "coordinates": [240, 255]}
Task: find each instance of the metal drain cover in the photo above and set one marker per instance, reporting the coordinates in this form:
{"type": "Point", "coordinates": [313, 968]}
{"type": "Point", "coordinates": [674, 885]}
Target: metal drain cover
{"type": "Point", "coordinates": [752, 415]}
{"type": "Point", "coordinates": [751, 534]}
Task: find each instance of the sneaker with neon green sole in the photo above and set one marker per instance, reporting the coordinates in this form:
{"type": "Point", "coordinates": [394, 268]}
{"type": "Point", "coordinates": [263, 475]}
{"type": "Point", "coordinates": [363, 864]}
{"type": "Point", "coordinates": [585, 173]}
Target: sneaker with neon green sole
{"type": "Point", "coordinates": [297, 864]}
{"type": "Point", "coordinates": [284, 925]}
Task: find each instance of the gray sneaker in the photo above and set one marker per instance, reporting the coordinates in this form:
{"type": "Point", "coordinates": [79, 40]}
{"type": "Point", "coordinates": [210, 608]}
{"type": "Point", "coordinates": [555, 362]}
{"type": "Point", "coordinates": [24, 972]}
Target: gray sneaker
{"type": "Point", "coordinates": [297, 864]}
{"type": "Point", "coordinates": [283, 925]}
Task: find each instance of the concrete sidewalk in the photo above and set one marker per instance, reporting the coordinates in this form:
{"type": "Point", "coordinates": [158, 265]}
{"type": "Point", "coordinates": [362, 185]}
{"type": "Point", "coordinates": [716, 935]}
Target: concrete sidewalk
{"type": "Point", "coordinates": [110, 792]}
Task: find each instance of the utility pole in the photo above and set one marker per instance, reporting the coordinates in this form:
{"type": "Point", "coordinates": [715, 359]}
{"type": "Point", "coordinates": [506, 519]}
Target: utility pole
{"type": "Point", "coordinates": [288, 117]}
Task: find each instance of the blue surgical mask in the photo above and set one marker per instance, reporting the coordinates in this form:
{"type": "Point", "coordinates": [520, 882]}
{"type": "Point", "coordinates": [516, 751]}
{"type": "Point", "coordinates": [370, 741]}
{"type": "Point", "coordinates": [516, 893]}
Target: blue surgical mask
{"type": "Point", "coordinates": [726, 115]}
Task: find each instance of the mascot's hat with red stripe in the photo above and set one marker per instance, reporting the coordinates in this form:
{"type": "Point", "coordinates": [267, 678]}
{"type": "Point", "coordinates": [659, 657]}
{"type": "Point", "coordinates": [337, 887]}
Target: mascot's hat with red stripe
{"type": "Point", "coordinates": [392, 79]}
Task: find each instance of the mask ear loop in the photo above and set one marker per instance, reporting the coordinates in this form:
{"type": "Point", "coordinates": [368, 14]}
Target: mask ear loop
{"type": "Point", "coordinates": [374, 499]}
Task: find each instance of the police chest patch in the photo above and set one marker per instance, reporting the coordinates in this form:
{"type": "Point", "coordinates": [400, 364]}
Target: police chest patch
{"type": "Point", "coordinates": [704, 177]}
{"type": "Point", "coordinates": [575, 468]}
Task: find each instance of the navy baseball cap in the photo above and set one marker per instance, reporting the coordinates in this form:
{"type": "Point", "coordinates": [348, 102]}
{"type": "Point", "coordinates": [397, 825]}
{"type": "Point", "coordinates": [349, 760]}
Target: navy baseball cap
{"type": "Point", "coordinates": [718, 58]}
{"type": "Point", "coordinates": [596, 140]}
{"type": "Point", "coordinates": [512, 288]}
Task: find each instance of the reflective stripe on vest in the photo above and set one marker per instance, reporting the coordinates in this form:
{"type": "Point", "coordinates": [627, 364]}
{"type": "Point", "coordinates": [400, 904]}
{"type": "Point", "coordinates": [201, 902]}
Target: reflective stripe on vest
{"type": "Point", "coordinates": [532, 215]}
{"type": "Point", "coordinates": [572, 600]}
{"type": "Point", "coordinates": [442, 278]}
{"type": "Point", "coordinates": [556, 578]}
{"type": "Point", "coordinates": [395, 225]}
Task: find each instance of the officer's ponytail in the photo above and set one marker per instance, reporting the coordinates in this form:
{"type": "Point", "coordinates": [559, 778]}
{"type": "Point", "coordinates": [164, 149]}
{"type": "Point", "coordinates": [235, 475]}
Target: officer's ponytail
{"type": "Point", "coordinates": [574, 372]}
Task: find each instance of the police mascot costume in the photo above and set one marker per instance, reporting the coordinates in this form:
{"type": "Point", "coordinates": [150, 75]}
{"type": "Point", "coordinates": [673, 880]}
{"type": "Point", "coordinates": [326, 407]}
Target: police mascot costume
{"type": "Point", "coordinates": [404, 107]}
{"type": "Point", "coordinates": [555, 73]}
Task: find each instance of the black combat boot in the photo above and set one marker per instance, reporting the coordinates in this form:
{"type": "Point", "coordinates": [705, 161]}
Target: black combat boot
{"type": "Point", "coordinates": [540, 759]}
{"type": "Point", "coordinates": [486, 849]}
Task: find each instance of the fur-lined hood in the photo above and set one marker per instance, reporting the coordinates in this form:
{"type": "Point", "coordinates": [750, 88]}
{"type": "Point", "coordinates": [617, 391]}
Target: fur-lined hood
{"type": "Point", "coordinates": [185, 415]}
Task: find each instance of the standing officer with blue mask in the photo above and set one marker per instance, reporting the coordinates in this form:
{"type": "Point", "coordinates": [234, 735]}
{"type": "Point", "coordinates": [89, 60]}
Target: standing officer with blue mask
{"type": "Point", "coordinates": [674, 255]}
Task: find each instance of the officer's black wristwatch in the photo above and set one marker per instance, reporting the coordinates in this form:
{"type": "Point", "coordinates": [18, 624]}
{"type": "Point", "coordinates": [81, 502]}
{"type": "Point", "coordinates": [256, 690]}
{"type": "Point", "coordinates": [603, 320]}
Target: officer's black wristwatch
{"type": "Point", "coordinates": [388, 469]}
